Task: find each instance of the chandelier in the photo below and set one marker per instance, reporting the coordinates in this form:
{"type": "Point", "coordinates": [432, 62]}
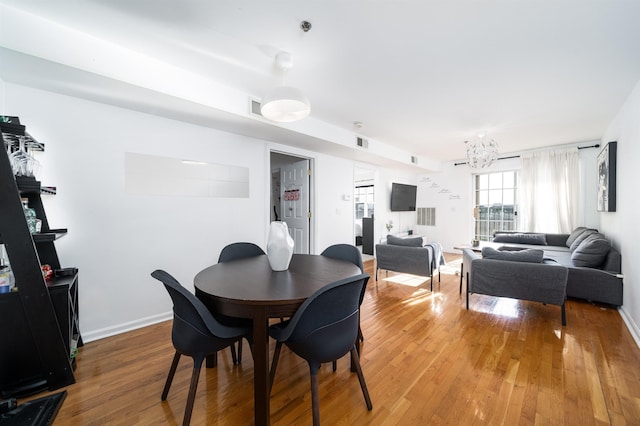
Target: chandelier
{"type": "Point", "coordinates": [481, 152]}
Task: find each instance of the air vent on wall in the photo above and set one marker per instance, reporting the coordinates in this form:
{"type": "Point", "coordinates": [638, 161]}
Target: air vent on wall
{"type": "Point", "coordinates": [361, 142]}
{"type": "Point", "coordinates": [426, 216]}
{"type": "Point", "coordinates": [414, 159]}
{"type": "Point", "coordinates": [254, 108]}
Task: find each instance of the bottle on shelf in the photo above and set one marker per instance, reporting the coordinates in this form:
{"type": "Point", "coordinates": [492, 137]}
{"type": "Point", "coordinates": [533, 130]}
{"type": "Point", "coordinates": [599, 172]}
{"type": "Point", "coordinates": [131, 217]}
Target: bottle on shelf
{"type": "Point", "coordinates": [6, 275]}
{"type": "Point", "coordinates": [30, 214]}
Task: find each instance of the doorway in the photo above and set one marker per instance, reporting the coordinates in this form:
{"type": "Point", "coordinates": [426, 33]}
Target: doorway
{"type": "Point", "coordinates": [364, 205]}
{"type": "Point", "coordinates": [290, 197]}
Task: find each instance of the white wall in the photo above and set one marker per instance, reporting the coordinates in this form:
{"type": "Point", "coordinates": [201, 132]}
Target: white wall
{"type": "Point", "coordinates": [622, 226]}
{"type": "Point", "coordinates": [116, 239]}
{"type": "Point", "coordinates": [402, 221]}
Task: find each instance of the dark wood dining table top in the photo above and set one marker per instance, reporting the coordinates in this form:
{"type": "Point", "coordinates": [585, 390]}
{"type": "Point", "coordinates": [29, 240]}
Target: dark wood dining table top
{"type": "Point", "coordinates": [251, 281]}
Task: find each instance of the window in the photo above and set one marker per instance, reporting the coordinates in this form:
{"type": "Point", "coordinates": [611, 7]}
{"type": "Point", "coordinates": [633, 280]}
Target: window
{"type": "Point", "coordinates": [364, 201]}
{"type": "Point", "coordinates": [496, 204]}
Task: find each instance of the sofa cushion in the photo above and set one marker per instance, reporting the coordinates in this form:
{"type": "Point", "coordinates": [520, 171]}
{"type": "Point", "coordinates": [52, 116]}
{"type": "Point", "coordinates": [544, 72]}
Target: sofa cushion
{"type": "Point", "coordinates": [575, 234]}
{"type": "Point", "coordinates": [526, 255]}
{"type": "Point", "coordinates": [521, 238]}
{"type": "Point", "coordinates": [591, 252]}
{"type": "Point", "coordinates": [581, 237]}
{"type": "Point", "coordinates": [408, 242]}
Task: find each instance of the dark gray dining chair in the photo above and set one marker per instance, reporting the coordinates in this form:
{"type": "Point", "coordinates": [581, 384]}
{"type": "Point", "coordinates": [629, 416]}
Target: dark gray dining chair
{"type": "Point", "coordinates": [348, 253]}
{"type": "Point", "coordinates": [236, 251]}
{"type": "Point", "coordinates": [324, 329]}
{"type": "Point", "coordinates": [195, 333]}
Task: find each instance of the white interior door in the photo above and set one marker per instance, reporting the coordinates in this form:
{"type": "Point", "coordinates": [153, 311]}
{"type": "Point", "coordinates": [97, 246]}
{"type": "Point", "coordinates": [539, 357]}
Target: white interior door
{"type": "Point", "coordinates": [294, 204]}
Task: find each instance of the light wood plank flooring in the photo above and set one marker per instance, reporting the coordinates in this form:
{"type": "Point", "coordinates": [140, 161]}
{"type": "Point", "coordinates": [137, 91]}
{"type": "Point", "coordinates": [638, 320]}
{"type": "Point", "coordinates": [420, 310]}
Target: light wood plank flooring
{"type": "Point", "coordinates": [426, 360]}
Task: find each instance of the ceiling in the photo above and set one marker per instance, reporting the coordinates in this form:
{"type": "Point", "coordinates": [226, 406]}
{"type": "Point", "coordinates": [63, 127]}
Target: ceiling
{"type": "Point", "coordinates": [423, 76]}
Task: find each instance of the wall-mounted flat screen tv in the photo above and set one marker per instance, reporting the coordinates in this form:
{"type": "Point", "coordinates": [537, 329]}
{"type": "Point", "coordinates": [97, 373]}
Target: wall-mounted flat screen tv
{"type": "Point", "coordinates": [403, 197]}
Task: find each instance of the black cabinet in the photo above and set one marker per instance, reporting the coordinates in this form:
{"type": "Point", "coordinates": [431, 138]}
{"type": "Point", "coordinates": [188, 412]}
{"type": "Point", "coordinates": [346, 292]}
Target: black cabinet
{"type": "Point", "coordinates": [39, 322]}
{"type": "Point", "coordinates": [367, 235]}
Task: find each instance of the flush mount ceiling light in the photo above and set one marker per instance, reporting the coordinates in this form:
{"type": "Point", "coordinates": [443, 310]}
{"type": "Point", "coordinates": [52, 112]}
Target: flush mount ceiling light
{"type": "Point", "coordinates": [481, 152]}
{"type": "Point", "coordinates": [285, 104]}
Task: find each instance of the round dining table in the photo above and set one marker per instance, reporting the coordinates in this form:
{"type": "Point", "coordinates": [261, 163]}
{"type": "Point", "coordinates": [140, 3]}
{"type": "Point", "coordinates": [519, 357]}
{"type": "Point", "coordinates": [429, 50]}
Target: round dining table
{"type": "Point", "coordinates": [248, 288]}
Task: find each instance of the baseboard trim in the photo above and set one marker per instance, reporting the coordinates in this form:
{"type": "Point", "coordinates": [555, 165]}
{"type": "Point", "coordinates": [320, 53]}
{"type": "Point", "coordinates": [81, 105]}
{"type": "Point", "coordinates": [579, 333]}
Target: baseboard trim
{"type": "Point", "coordinates": [631, 325]}
{"type": "Point", "coordinates": [90, 336]}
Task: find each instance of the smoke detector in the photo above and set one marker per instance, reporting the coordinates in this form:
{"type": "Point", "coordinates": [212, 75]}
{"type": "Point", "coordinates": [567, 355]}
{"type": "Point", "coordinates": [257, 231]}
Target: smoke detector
{"type": "Point", "coordinates": [305, 26]}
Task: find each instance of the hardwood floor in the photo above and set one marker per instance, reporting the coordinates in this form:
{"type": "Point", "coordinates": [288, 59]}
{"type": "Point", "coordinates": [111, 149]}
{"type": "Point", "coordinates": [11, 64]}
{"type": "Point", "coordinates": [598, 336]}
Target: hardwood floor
{"type": "Point", "coordinates": [426, 360]}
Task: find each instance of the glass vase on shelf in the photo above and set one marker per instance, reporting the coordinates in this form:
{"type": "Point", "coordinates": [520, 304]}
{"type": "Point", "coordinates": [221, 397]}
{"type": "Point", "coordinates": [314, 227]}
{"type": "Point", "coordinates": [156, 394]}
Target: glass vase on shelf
{"type": "Point", "coordinates": [30, 215]}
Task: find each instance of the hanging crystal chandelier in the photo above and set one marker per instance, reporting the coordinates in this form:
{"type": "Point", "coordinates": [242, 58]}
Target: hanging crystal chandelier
{"type": "Point", "coordinates": [481, 152]}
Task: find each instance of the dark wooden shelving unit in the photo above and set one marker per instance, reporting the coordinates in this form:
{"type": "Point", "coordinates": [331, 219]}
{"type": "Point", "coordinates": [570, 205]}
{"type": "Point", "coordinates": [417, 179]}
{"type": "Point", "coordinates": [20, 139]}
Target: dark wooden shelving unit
{"type": "Point", "coordinates": [39, 322]}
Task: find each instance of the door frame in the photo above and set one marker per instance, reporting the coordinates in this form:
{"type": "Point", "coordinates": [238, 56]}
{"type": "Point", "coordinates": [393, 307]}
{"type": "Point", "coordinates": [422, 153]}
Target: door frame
{"type": "Point", "coordinates": [296, 156]}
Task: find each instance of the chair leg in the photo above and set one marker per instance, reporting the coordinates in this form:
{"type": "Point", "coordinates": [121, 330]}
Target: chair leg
{"type": "Point", "coordinates": [250, 347]}
{"type": "Point", "coordinates": [334, 363]}
{"type": "Point", "coordinates": [274, 365]}
{"type": "Point", "coordinates": [234, 358]}
{"type": "Point", "coordinates": [315, 403]}
{"type": "Point", "coordinates": [564, 315]}
{"type": "Point", "coordinates": [239, 350]}
{"type": "Point", "coordinates": [355, 360]}
{"type": "Point", "coordinates": [195, 375]}
{"type": "Point", "coordinates": [461, 275]}
{"type": "Point", "coordinates": [212, 360]}
{"type": "Point", "coordinates": [172, 372]}
{"type": "Point", "coordinates": [467, 291]}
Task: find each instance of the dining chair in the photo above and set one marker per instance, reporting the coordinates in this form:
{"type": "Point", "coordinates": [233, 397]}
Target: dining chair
{"type": "Point", "coordinates": [195, 333]}
{"type": "Point", "coordinates": [348, 253]}
{"type": "Point", "coordinates": [236, 251]}
{"type": "Point", "coordinates": [324, 329]}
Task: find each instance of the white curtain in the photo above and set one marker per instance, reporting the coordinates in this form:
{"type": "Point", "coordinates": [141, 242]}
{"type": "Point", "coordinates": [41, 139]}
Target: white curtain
{"type": "Point", "coordinates": [549, 188]}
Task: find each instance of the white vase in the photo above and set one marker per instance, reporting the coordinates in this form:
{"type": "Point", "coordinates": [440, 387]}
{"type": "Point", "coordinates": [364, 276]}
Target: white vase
{"type": "Point", "coordinates": [279, 246]}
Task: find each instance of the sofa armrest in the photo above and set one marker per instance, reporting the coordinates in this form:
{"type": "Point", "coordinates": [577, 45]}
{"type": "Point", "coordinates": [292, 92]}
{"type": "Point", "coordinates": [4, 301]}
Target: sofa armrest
{"type": "Point", "coordinates": [595, 284]}
{"type": "Point", "coordinates": [537, 282]}
{"type": "Point", "coordinates": [613, 261]}
{"type": "Point", "coordinates": [468, 256]}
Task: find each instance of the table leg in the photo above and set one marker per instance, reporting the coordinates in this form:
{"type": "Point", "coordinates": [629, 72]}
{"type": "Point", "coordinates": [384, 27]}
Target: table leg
{"type": "Point", "coordinates": [261, 367]}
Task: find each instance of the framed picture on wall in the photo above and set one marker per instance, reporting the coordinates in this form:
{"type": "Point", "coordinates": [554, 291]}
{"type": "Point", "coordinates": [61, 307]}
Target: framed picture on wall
{"type": "Point", "coordinates": [607, 178]}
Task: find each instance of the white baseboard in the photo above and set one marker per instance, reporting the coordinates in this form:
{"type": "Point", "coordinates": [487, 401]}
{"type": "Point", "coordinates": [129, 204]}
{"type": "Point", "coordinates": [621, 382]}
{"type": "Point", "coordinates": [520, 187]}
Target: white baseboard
{"type": "Point", "coordinates": [631, 325]}
{"type": "Point", "coordinates": [90, 336]}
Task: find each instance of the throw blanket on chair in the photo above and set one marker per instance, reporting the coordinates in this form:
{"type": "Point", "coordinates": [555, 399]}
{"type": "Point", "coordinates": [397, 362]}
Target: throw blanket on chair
{"type": "Point", "coordinates": [438, 256]}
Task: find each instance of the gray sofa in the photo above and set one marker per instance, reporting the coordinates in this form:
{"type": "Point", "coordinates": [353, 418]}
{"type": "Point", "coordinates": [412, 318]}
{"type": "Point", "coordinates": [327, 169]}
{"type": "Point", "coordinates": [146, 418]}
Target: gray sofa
{"type": "Point", "coordinates": [517, 275]}
{"type": "Point", "coordinates": [594, 266]}
{"type": "Point", "coordinates": [408, 255]}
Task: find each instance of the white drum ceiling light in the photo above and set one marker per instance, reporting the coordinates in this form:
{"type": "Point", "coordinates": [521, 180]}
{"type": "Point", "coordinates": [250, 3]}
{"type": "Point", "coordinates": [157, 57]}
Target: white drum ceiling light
{"type": "Point", "coordinates": [285, 104]}
{"type": "Point", "coordinates": [481, 152]}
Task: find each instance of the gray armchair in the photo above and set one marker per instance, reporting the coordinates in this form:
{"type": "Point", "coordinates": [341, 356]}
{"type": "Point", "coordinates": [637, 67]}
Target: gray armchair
{"type": "Point", "coordinates": [406, 255]}
{"type": "Point", "coordinates": [516, 278]}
